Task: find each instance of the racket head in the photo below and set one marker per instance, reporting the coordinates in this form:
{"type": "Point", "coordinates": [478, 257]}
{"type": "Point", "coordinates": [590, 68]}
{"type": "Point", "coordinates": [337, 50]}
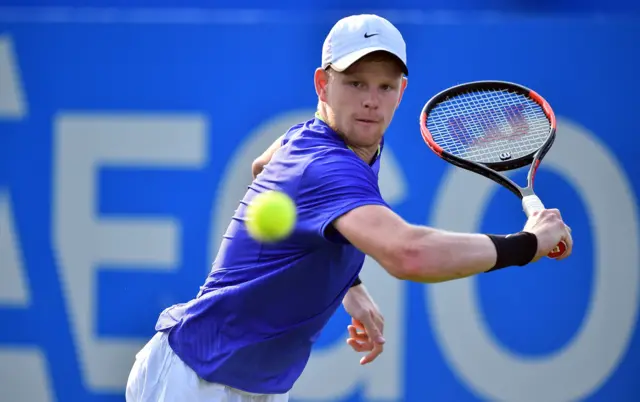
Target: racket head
{"type": "Point", "coordinates": [487, 126]}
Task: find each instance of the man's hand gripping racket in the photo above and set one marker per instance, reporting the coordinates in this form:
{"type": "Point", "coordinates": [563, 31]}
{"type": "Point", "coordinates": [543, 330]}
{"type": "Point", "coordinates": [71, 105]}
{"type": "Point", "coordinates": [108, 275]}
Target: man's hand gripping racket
{"type": "Point", "coordinates": [490, 127]}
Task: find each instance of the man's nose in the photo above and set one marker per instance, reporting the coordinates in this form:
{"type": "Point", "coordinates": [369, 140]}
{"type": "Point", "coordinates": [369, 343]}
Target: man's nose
{"type": "Point", "coordinates": [371, 99]}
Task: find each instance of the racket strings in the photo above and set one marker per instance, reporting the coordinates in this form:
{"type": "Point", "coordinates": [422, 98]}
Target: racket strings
{"type": "Point", "coordinates": [489, 126]}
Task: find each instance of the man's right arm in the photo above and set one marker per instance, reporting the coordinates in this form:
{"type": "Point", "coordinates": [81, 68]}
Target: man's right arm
{"type": "Point", "coordinates": [342, 191]}
{"type": "Point", "coordinates": [424, 254]}
{"type": "Point", "coordinates": [413, 252]}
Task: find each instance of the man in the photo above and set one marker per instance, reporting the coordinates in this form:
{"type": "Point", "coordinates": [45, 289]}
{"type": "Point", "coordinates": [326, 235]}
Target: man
{"type": "Point", "coordinates": [248, 334]}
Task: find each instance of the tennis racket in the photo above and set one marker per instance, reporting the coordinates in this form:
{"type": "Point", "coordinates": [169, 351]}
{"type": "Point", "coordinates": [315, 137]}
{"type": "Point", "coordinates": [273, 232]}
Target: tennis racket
{"type": "Point", "coordinates": [489, 127]}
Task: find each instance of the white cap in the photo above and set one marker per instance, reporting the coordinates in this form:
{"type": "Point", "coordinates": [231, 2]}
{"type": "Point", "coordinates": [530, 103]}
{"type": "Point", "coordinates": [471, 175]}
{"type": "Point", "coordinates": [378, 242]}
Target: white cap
{"type": "Point", "coordinates": [355, 36]}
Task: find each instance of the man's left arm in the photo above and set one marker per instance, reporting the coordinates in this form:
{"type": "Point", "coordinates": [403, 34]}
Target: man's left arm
{"type": "Point", "coordinates": [260, 162]}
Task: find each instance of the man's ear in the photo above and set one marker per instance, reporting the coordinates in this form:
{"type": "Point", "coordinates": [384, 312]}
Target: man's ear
{"type": "Point", "coordinates": [320, 80]}
{"type": "Point", "coordinates": [403, 86]}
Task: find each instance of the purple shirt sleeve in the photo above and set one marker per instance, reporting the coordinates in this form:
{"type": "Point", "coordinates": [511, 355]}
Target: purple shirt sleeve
{"type": "Point", "coordinates": [333, 183]}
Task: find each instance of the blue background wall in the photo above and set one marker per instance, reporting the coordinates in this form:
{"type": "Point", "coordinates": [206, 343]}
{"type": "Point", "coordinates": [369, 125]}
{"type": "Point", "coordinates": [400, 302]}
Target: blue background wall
{"type": "Point", "coordinates": [126, 136]}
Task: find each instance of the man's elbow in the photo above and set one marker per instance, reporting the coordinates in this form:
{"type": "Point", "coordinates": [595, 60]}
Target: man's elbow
{"type": "Point", "coordinates": [414, 261]}
{"type": "Point", "coordinates": [410, 266]}
{"type": "Point", "coordinates": [256, 167]}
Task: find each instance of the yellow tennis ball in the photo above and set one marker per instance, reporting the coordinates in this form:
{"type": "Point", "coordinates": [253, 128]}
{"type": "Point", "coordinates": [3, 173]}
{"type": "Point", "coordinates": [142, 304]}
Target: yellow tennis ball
{"type": "Point", "coordinates": [271, 216]}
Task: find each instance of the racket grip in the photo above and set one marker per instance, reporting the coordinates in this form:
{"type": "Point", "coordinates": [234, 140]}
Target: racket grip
{"type": "Point", "coordinates": [532, 203]}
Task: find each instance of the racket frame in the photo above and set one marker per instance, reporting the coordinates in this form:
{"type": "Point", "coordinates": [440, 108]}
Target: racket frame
{"type": "Point", "coordinates": [530, 201]}
{"type": "Point", "coordinates": [491, 170]}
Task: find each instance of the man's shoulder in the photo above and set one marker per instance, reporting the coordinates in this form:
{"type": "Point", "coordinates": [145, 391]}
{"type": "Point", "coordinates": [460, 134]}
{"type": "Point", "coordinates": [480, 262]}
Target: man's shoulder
{"type": "Point", "coordinates": [333, 168]}
{"type": "Point", "coordinates": [306, 149]}
{"type": "Point", "coordinates": [314, 144]}
{"type": "Point", "coordinates": [312, 131]}
{"type": "Point", "coordinates": [311, 153]}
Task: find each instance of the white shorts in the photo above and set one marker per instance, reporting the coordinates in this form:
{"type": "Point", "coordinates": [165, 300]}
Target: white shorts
{"type": "Point", "coordinates": [158, 375]}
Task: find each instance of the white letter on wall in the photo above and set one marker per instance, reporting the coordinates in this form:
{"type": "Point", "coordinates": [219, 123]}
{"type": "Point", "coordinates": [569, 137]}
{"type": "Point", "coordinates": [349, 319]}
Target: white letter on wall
{"type": "Point", "coordinates": [23, 369]}
{"type": "Point", "coordinates": [13, 287]}
{"type": "Point", "coordinates": [12, 100]}
{"type": "Point", "coordinates": [83, 241]}
{"type": "Point", "coordinates": [584, 364]}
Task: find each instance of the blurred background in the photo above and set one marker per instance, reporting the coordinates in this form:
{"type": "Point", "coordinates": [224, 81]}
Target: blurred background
{"type": "Point", "coordinates": [127, 130]}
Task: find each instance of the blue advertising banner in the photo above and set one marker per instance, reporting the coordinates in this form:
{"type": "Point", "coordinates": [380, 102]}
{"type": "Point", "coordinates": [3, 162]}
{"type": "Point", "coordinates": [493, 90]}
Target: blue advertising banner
{"type": "Point", "coordinates": [126, 139]}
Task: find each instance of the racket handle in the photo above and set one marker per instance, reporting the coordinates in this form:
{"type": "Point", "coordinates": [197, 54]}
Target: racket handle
{"type": "Point", "coordinates": [532, 203]}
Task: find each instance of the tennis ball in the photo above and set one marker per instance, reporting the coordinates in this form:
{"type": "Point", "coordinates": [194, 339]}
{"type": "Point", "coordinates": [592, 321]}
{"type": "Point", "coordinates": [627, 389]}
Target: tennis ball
{"type": "Point", "coordinates": [271, 216]}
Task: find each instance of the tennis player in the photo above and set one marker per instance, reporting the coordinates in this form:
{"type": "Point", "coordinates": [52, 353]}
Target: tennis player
{"type": "Point", "coordinates": [248, 334]}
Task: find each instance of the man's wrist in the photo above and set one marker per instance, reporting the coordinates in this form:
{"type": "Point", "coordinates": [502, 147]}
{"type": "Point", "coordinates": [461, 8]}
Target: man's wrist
{"type": "Point", "coordinates": [514, 250]}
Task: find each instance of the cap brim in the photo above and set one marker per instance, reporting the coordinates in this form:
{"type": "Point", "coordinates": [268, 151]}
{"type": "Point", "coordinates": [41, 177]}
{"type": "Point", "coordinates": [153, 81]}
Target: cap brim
{"type": "Point", "coordinates": [345, 62]}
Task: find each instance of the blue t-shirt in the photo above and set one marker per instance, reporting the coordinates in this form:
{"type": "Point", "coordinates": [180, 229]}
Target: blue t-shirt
{"type": "Point", "coordinates": [261, 308]}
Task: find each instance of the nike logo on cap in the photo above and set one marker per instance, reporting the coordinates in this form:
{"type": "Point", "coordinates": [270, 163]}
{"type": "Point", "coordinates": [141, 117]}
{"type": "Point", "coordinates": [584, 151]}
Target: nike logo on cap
{"type": "Point", "coordinates": [366, 35]}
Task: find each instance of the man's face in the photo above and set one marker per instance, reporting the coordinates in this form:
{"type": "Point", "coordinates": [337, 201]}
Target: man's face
{"type": "Point", "coordinates": [362, 100]}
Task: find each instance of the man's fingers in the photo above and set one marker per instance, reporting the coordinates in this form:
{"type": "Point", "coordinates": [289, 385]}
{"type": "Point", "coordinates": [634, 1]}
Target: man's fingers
{"type": "Point", "coordinates": [357, 324]}
{"type": "Point", "coordinates": [374, 332]}
{"type": "Point", "coordinates": [371, 356]}
{"type": "Point", "coordinates": [370, 328]}
{"type": "Point", "coordinates": [568, 239]}
{"type": "Point", "coordinates": [359, 341]}
{"type": "Point", "coordinates": [366, 336]}
{"type": "Point", "coordinates": [379, 321]}
{"type": "Point", "coordinates": [353, 333]}
{"type": "Point", "coordinates": [374, 349]}
{"type": "Point", "coordinates": [359, 346]}
{"type": "Point", "coordinates": [376, 338]}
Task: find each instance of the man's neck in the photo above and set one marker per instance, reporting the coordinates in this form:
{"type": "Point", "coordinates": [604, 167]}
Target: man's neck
{"type": "Point", "coordinates": [367, 154]}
